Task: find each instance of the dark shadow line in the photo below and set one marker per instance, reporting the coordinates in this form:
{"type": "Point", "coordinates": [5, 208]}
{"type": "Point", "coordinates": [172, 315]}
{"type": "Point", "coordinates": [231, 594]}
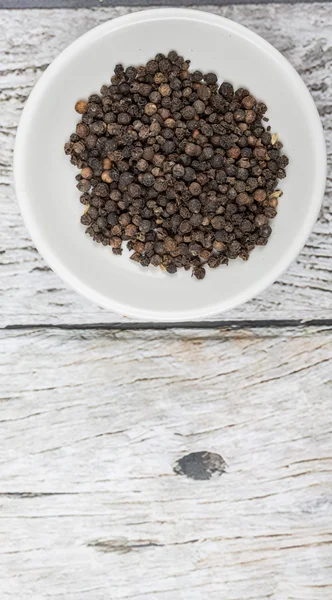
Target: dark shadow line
{"type": "Point", "coordinates": [234, 324]}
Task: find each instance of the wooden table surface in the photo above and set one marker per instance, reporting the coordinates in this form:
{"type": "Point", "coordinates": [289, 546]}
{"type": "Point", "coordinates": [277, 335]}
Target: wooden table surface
{"type": "Point", "coordinates": [98, 413]}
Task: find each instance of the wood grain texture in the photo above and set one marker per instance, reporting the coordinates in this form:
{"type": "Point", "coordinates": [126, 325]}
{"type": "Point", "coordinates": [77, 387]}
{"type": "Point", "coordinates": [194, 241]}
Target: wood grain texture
{"type": "Point", "coordinates": [30, 292]}
{"type": "Point", "coordinates": [91, 425]}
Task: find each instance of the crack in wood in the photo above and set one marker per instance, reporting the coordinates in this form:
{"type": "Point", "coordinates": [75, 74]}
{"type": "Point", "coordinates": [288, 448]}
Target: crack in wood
{"type": "Point", "coordinates": [123, 545]}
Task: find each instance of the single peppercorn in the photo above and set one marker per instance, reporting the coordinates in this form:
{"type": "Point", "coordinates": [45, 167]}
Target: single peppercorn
{"type": "Point", "coordinates": [226, 89]}
{"type": "Point", "coordinates": [259, 195]}
{"type": "Point", "coordinates": [147, 179]}
{"type": "Point", "coordinates": [150, 109]}
{"type": "Point", "coordinates": [81, 107]}
{"type": "Point", "coordinates": [249, 102]}
{"type": "Point", "coordinates": [204, 93]}
{"type": "Point", "coordinates": [199, 272]}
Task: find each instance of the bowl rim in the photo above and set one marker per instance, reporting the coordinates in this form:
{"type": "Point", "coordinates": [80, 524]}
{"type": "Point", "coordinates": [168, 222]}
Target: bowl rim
{"type": "Point", "coordinates": [70, 278]}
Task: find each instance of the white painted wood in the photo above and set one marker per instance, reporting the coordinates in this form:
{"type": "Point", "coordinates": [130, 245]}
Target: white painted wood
{"type": "Point", "coordinates": [91, 424]}
{"type": "Point", "coordinates": [30, 293]}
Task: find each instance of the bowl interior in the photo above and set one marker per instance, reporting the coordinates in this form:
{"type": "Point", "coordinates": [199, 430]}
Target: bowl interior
{"type": "Point", "coordinates": [45, 178]}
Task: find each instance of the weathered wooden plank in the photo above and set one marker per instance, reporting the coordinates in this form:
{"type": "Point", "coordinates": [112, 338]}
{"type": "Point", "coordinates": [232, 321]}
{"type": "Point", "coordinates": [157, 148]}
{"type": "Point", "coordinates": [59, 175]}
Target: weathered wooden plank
{"type": "Point", "coordinates": [91, 425]}
{"type": "Point", "coordinates": [30, 40]}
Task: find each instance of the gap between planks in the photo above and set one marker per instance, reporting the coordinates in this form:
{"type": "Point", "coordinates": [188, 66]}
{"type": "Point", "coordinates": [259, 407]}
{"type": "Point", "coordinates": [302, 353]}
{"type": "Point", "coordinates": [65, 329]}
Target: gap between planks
{"type": "Point", "coordinates": [208, 325]}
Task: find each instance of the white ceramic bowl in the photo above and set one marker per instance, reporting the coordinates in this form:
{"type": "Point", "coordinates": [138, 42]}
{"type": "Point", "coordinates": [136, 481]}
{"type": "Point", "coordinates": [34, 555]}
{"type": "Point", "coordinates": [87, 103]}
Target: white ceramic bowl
{"type": "Point", "coordinates": [45, 182]}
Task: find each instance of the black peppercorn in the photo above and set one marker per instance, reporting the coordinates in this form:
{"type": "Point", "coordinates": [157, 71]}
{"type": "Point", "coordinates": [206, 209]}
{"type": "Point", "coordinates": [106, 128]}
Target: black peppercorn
{"type": "Point", "coordinates": [181, 170]}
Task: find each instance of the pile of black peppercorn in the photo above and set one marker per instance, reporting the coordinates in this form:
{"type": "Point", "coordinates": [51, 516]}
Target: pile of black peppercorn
{"type": "Point", "coordinates": [180, 168]}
